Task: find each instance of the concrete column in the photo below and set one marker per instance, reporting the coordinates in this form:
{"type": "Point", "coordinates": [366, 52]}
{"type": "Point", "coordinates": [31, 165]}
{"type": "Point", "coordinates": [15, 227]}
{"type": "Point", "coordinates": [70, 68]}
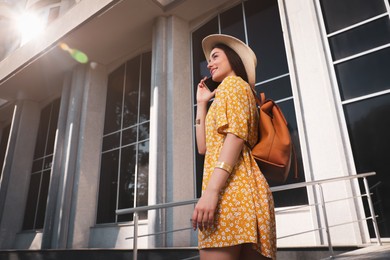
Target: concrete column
{"type": "Point", "coordinates": [87, 170]}
{"type": "Point", "coordinates": [158, 131]}
{"type": "Point", "coordinates": [326, 150]}
{"type": "Point", "coordinates": [61, 193]}
{"type": "Point", "coordinates": [171, 161]}
{"type": "Point", "coordinates": [16, 173]}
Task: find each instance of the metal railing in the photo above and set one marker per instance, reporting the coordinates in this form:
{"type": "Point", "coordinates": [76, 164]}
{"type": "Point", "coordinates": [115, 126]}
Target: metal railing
{"type": "Point", "coordinates": [320, 204]}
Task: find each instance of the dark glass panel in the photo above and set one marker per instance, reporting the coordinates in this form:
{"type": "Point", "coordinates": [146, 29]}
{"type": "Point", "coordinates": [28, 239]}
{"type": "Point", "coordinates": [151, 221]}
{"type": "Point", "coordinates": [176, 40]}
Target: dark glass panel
{"type": "Point", "coordinates": [53, 126]}
{"type": "Point", "coordinates": [296, 196]}
{"type": "Point", "coordinates": [144, 112]}
{"type": "Point", "coordinates": [129, 135]}
{"type": "Point", "coordinates": [143, 131]}
{"type": "Point", "coordinates": [37, 165]}
{"type": "Point", "coordinates": [232, 22]}
{"type": "Point", "coordinates": [32, 201]}
{"type": "Point", "coordinates": [265, 37]}
{"type": "Point", "coordinates": [44, 188]}
{"type": "Point", "coordinates": [130, 109]}
{"type": "Point", "coordinates": [199, 62]}
{"type": "Point", "coordinates": [3, 145]}
{"type": "Point", "coordinates": [127, 181]}
{"type": "Point", "coordinates": [115, 86]}
{"type": "Point", "coordinates": [276, 89]}
{"type": "Point", "coordinates": [364, 75]}
{"type": "Point", "coordinates": [42, 132]}
{"type": "Point", "coordinates": [48, 162]}
{"type": "Point", "coordinates": [369, 128]}
{"type": "Point", "coordinates": [360, 39]}
{"type": "Point", "coordinates": [340, 14]}
{"type": "Point", "coordinates": [111, 141]}
{"type": "Point", "coordinates": [108, 187]}
{"type": "Point", "coordinates": [199, 171]}
{"type": "Point", "coordinates": [143, 176]}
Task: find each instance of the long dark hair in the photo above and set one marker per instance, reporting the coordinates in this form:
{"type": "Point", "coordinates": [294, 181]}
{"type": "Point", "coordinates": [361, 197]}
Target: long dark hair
{"type": "Point", "coordinates": [234, 60]}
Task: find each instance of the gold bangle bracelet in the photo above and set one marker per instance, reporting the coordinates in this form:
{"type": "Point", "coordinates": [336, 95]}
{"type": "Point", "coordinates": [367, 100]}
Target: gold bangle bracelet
{"type": "Point", "coordinates": [224, 166]}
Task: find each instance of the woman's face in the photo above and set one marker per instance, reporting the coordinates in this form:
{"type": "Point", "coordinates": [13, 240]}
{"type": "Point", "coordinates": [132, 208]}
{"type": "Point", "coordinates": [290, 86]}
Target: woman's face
{"type": "Point", "coordinates": [219, 65]}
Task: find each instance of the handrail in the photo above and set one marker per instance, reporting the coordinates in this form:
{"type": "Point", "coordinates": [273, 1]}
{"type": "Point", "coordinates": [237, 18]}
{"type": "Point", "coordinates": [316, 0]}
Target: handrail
{"type": "Point", "coordinates": [322, 203]}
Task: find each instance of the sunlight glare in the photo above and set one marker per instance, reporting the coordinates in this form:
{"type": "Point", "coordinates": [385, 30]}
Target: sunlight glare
{"type": "Point", "coordinates": [30, 26]}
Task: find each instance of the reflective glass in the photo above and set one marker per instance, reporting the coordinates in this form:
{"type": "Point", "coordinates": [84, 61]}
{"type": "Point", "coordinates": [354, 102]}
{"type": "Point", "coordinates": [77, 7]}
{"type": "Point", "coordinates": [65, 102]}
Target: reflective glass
{"type": "Point", "coordinates": [3, 145]}
{"type": "Point", "coordinates": [365, 37]}
{"type": "Point", "coordinates": [143, 131]}
{"type": "Point", "coordinates": [369, 128]}
{"type": "Point", "coordinates": [127, 181]}
{"type": "Point", "coordinates": [129, 135]}
{"type": "Point", "coordinates": [276, 89]}
{"type": "Point", "coordinates": [130, 109]}
{"type": "Point", "coordinates": [111, 141]}
{"type": "Point", "coordinates": [144, 111]}
{"type": "Point", "coordinates": [364, 75]}
{"type": "Point", "coordinates": [48, 162]}
{"type": "Point", "coordinates": [42, 132]}
{"type": "Point", "coordinates": [44, 189]}
{"type": "Point", "coordinates": [339, 14]}
{"type": "Point", "coordinates": [37, 166]}
{"type": "Point", "coordinates": [32, 201]}
{"type": "Point", "coordinates": [108, 187]}
{"type": "Point", "coordinates": [265, 37]}
{"type": "Point", "coordinates": [143, 177]}
{"type": "Point", "coordinates": [199, 62]}
{"type": "Point", "coordinates": [232, 23]}
{"type": "Point", "coordinates": [52, 128]}
{"type": "Point", "coordinates": [113, 117]}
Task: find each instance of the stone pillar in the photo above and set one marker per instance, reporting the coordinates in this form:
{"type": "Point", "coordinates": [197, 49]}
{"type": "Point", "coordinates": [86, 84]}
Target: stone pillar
{"type": "Point", "coordinates": [325, 145]}
{"type": "Point", "coordinates": [72, 195]}
{"type": "Point", "coordinates": [14, 183]}
{"type": "Point", "coordinates": [171, 127]}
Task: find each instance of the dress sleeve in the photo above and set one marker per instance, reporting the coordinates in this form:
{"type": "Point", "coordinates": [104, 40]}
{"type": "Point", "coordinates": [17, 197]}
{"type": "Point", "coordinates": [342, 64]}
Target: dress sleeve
{"type": "Point", "coordinates": [233, 115]}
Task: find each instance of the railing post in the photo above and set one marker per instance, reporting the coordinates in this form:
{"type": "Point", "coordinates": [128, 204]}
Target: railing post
{"type": "Point", "coordinates": [325, 215]}
{"type": "Point", "coordinates": [135, 237]}
{"type": "Point", "coordinates": [372, 211]}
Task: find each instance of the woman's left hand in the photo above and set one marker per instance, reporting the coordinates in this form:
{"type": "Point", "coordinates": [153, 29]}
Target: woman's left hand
{"type": "Point", "coordinates": [204, 212]}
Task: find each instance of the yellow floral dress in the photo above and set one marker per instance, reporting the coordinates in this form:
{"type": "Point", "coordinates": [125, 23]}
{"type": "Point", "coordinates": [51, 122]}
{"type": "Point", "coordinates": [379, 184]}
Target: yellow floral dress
{"type": "Point", "coordinates": [245, 212]}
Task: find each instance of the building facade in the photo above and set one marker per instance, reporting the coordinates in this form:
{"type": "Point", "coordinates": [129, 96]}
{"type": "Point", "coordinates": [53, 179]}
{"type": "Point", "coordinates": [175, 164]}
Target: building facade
{"type": "Point", "coordinates": [82, 140]}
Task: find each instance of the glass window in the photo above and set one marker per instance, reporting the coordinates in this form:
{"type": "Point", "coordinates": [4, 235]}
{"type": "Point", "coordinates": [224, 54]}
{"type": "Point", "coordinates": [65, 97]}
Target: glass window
{"type": "Point", "coordinates": [360, 78]}
{"type": "Point", "coordinates": [232, 23]}
{"type": "Point", "coordinates": [364, 75]}
{"type": "Point", "coordinates": [125, 153]}
{"type": "Point", "coordinates": [3, 145]}
{"type": "Point", "coordinates": [340, 14]}
{"type": "Point", "coordinates": [40, 178]}
{"type": "Point", "coordinates": [369, 127]}
{"type": "Point", "coordinates": [265, 37]}
{"type": "Point", "coordinates": [365, 37]}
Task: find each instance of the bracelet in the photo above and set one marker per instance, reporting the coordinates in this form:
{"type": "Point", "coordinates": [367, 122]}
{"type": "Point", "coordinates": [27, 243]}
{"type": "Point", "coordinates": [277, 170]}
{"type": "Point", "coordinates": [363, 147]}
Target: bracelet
{"type": "Point", "coordinates": [197, 122]}
{"type": "Point", "coordinates": [224, 166]}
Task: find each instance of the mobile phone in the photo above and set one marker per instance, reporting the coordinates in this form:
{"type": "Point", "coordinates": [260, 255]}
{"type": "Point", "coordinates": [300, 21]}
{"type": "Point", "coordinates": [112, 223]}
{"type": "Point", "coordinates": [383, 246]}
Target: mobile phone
{"type": "Point", "coordinates": [211, 84]}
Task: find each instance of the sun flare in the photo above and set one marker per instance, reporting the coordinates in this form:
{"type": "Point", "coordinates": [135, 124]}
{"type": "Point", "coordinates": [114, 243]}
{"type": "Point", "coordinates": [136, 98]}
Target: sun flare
{"type": "Point", "coordinates": [30, 26]}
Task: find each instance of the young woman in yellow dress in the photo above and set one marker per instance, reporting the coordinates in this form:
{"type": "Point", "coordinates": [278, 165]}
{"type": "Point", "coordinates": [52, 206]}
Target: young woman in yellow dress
{"type": "Point", "coordinates": [235, 214]}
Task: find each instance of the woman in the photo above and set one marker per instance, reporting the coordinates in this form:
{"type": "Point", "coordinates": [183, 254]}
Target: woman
{"type": "Point", "coordinates": [235, 214]}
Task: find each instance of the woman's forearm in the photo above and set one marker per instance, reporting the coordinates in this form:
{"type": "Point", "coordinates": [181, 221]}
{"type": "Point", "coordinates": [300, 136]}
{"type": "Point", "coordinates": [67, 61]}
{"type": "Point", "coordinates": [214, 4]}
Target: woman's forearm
{"type": "Point", "coordinates": [229, 155]}
{"type": "Point", "coordinates": [200, 123]}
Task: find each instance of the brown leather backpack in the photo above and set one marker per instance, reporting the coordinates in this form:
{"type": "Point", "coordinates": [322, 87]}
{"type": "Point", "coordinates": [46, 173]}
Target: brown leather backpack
{"type": "Point", "coordinates": [273, 151]}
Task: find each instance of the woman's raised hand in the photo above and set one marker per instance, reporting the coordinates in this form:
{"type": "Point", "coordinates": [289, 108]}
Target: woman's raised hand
{"type": "Point", "coordinates": [203, 94]}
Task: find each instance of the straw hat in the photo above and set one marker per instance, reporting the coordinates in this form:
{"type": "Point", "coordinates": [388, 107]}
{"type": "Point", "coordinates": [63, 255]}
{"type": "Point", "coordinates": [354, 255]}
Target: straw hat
{"type": "Point", "coordinates": [246, 54]}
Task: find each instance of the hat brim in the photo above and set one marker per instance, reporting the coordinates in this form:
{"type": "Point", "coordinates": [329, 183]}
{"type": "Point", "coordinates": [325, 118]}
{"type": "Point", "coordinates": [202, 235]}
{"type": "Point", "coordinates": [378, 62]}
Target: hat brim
{"type": "Point", "coordinates": [246, 54]}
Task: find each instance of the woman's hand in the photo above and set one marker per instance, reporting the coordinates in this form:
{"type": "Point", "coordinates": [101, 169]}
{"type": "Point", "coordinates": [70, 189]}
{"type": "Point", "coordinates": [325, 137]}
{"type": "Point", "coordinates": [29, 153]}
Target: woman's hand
{"type": "Point", "coordinates": [204, 212]}
{"type": "Point", "coordinates": [203, 94]}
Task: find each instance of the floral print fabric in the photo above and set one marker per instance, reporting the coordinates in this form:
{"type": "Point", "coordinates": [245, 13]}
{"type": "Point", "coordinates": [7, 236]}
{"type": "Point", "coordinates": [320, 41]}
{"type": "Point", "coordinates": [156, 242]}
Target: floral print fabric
{"type": "Point", "coordinates": [245, 212]}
